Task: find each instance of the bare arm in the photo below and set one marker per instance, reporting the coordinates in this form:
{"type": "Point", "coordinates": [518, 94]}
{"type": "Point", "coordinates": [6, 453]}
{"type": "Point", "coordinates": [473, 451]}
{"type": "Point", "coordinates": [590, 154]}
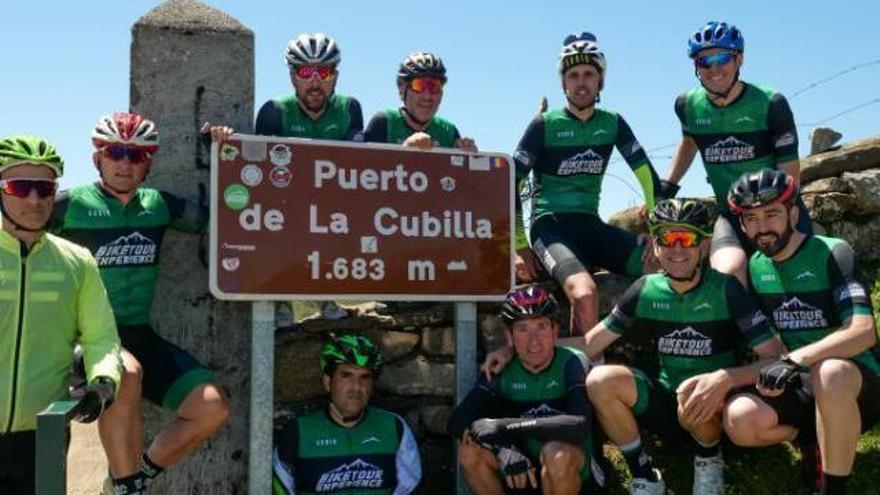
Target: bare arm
{"type": "Point", "coordinates": [857, 335]}
{"type": "Point", "coordinates": [598, 339]}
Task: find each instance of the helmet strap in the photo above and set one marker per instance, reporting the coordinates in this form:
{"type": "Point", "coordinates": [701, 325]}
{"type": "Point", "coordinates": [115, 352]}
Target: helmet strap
{"type": "Point", "coordinates": [422, 125]}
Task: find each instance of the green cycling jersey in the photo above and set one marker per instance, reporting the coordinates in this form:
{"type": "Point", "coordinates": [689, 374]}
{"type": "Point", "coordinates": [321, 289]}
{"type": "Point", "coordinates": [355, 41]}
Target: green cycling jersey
{"type": "Point", "coordinates": [390, 127]}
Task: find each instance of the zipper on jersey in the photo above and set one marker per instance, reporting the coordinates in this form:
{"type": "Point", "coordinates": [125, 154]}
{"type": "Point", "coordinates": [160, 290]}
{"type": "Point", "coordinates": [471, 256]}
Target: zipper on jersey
{"type": "Point", "coordinates": [15, 355]}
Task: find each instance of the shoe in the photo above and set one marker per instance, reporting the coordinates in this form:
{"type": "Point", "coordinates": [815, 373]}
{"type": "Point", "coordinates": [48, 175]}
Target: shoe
{"type": "Point", "coordinates": [641, 486]}
{"type": "Point", "coordinates": [332, 311]}
{"type": "Point", "coordinates": [709, 475]}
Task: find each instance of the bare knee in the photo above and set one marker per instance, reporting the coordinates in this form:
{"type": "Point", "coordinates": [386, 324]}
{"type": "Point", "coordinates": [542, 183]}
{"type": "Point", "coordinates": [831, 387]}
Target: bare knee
{"type": "Point", "coordinates": [561, 460]}
{"type": "Point", "coordinates": [744, 418]}
{"type": "Point", "coordinates": [607, 383]}
{"type": "Point", "coordinates": [208, 405]}
{"type": "Point", "coordinates": [835, 380]}
{"type": "Point", "coordinates": [128, 395]}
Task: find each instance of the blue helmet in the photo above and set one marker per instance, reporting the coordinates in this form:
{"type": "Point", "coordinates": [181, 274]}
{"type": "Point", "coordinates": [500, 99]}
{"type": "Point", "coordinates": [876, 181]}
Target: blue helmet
{"type": "Point", "coordinates": [716, 35]}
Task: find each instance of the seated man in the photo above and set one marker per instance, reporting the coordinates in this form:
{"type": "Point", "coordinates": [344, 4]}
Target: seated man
{"type": "Point", "coordinates": [348, 447]}
{"type": "Point", "coordinates": [829, 383]}
{"type": "Point", "coordinates": [420, 81]}
{"type": "Point", "coordinates": [696, 315]}
{"type": "Point", "coordinates": [541, 418]}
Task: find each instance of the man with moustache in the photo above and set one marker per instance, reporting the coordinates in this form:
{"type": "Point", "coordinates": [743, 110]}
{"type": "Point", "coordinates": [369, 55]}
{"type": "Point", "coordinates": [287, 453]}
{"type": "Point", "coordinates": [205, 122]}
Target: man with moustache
{"type": "Point", "coordinates": [561, 160]}
{"type": "Point", "coordinates": [828, 384]}
{"type": "Point", "coordinates": [697, 316]}
{"type": "Point", "coordinates": [52, 299]}
{"type": "Point", "coordinates": [347, 447]}
{"type": "Point", "coordinates": [123, 224]}
{"type": "Point", "coordinates": [420, 82]}
{"type": "Point", "coordinates": [737, 127]}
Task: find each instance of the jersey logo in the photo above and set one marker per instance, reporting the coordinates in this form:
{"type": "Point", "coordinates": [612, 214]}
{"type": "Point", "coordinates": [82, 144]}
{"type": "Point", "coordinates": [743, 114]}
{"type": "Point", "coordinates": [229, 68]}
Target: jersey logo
{"type": "Point", "coordinates": [729, 150]}
{"type": "Point", "coordinates": [705, 305]}
{"type": "Point", "coordinates": [635, 147]}
{"type": "Point", "coordinates": [564, 134]}
{"type": "Point", "coordinates": [370, 440]}
{"type": "Point", "coordinates": [325, 442]}
{"type": "Point", "coordinates": [541, 411]}
{"type": "Point", "coordinates": [786, 139]}
{"type": "Point", "coordinates": [145, 213]}
{"type": "Point", "coordinates": [703, 121]}
{"type": "Point", "coordinates": [357, 474]}
{"type": "Point", "coordinates": [331, 127]}
{"type": "Point", "coordinates": [768, 277]}
{"type": "Point", "coordinates": [758, 318]}
{"type": "Point", "coordinates": [599, 132]}
{"type": "Point", "coordinates": [298, 128]}
{"type": "Point", "coordinates": [586, 162]}
{"type": "Point", "coordinates": [795, 314]}
{"type": "Point", "coordinates": [553, 384]}
{"type": "Point", "coordinates": [852, 290]}
{"type": "Point", "coordinates": [805, 275]}
{"type": "Point", "coordinates": [685, 342]}
{"type": "Point", "coordinates": [660, 305]}
{"type": "Point", "coordinates": [518, 385]}
{"type": "Point", "coordinates": [744, 119]}
{"type": "Point", "coordinates": [99, 213]}
{"type": "Point", "coordinates": [128, 250]}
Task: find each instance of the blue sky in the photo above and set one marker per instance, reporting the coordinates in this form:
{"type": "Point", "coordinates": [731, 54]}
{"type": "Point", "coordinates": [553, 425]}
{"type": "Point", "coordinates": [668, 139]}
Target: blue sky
{"type": "Point", "coordinates": [66, 63]}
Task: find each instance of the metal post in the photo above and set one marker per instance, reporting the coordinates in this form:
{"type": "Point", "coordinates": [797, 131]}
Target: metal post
{"type": "Point", "coordinates": [465, 366]}
{"type": "Point", "coordinates": [52, 447]}
{"type": "Point", "coordinates": [262, 377]}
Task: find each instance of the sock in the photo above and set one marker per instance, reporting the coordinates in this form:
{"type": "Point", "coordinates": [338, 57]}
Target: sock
{"type": "Point", "coordinates": [707, 450]}
{"type": "Point", "coordinates": [834, 485]}
{"type": "Point", "coordinates": [130, 485]}
{"type": "Point", "coordinates": [639, 462]}
{"type": "Point", "coordinates": [149, 469]}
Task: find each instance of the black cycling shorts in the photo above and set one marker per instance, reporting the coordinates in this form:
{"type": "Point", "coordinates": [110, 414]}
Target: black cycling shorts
{"type": "Point", "coordinates": [796, 406]}
{"type": "Point", "coordinates": [18, 465]}
{"type": "Point", "coordinates": [656, 407]}
{"type": "Point", "coordinates": [571, 243]}
{"type": "Point", "coordinates": [170, 373]}
{"type": "Point", "coordinates": [729, 233]}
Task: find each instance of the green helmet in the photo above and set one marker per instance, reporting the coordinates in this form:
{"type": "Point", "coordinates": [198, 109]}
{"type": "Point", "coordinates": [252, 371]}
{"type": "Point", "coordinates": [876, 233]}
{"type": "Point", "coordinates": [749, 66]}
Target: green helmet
{"type": "Point", "coordinates": [21, 149]}
{"type": "Point", "coordinates": [351, 349]}
{"type": "Point", "coordinates": [681, 212]}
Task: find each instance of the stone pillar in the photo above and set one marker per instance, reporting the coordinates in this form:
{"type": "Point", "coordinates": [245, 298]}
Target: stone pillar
{"type": "Point", "coordinates": [191, 63]}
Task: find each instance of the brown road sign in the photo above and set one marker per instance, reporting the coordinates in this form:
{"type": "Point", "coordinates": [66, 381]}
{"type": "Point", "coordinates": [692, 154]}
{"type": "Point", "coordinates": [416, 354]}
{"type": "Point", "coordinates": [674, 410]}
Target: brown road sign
{"type": "Point", "coordinates": [304, 219]}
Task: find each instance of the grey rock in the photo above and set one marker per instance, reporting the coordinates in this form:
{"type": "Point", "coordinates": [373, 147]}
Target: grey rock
{"type": "Point", "coordinates": [829, 184]}
{"type": "Point", "coordinates": [394, 345]}
{"type": "Point", "coordinates": [438, 341]}
{"type": "Point", "coordinates": [419, 376]}
{"type": "Point", "coordinates": [866, 187]}
{"type": "Point", "coordinates": [829, 207]}
{"type": "Point", "coordinates": [851, 157]}
{"type": "Point", "coordinates": [435, 417]}
{"type": "Point", "coordinates": [297, 370]}
{"type": "Point", "coordinates": [191, 15]}
{"type": "Point", "coordinates": [862, 235]}
{"type": "Point", "coordinates": [823, 139]}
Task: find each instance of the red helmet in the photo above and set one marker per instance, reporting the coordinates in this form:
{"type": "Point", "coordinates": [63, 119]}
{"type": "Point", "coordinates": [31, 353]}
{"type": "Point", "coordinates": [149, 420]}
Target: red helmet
{"type": "Point", "coordinates": [126, 129]}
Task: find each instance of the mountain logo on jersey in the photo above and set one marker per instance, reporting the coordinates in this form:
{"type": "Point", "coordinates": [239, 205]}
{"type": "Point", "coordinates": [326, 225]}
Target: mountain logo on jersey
{"type": "Point", "coordinates": [805, 275]}
{"type": "Point", "coordinates": [685, 342]}
{"type": "Point", "coordinates": [585, 162]}
{"type": "Point", "coordinates": [541, 411]}
{"type": "Point", "coordinates": [729, 150]}
{"type": "Point", "coordinates": [129, 250]}
{"type": "Point", "coordinates": [853, 290]}
{"type": "Point", "coordinates": [357, 474]}
{"type": "Point", "coordinates": [795, 314]}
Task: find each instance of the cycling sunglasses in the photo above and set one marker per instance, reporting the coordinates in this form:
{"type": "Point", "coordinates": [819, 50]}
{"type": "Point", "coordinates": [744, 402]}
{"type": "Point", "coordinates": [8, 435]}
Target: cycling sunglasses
{"type": "Point", "coordinates": [307, 72]}
{"type": "Point", "coordinates": [720, 58]}
{"type": "Point", "coordinates": [687, 238]}
{"type": "Point", "coordinates": [118, 153]}
{"type": "Point", "coordinates": [429, 84]}
{"type": "Point", "coordinates": [21, 188]}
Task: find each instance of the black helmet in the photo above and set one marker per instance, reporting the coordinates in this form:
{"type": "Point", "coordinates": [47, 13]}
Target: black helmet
{"type": "Point", "coordinates": [681, 212]}
{"type": "Point", "coordinates": [764, 187]}
{"type": "Point", "coordinates": [531, 301]}
{"type": "Point", "coordinates": [421, 64]}
{"type": "Point", "coordinates": [351, 349]}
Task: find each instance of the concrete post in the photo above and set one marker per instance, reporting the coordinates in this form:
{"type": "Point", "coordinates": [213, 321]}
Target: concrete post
{"type": "Point", "coordinates": [191, 63]}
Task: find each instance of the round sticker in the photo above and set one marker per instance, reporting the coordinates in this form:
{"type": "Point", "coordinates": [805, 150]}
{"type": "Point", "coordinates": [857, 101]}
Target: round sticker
{"type": "Point", "coordinates": [280, 176]}
{"type": "Point", "coordinates": [236, 196]}
{"type": "Point", "coordinates": [280, 155]}
{"type": "Point", "coordinates": [447, 184]}
{"type": "Point", "coordinates": [251, 175]}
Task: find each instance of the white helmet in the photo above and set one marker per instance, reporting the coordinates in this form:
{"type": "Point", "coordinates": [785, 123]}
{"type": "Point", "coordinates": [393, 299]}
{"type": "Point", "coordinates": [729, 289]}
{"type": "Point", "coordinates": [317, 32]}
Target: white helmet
{"type": "Point", "coordinates": [312, 49]}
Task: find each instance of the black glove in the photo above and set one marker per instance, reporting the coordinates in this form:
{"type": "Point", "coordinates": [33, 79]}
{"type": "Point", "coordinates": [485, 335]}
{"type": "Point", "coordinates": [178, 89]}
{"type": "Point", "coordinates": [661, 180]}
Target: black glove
{"type": "Point", "coordinates": [780, 373]}
{"type": "Point", "coordinates": [97, 397]}
{"type": "Point", "coordinates": [512, 461]}
{"type": "Point", "coordinates": [668, 190]}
